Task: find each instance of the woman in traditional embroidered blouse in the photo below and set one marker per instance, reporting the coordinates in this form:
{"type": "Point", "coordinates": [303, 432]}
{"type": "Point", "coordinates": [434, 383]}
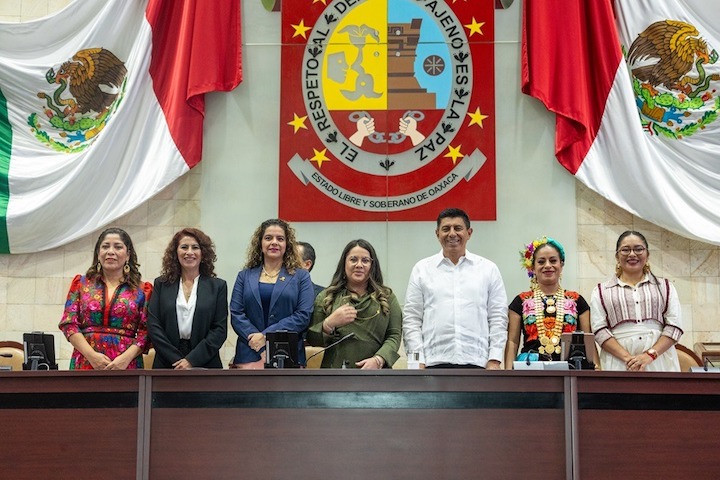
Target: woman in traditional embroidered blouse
{"type": "Point", "coordinates": [357, 302]}
{"type": "Point", "coordinates": [547, 310]}
{"type": "Point", "coordinates": [105, 317]}
{"type": "Point", "coordinates": [187, 315]}
{"type": "Point", "coordinates": [636, 315]}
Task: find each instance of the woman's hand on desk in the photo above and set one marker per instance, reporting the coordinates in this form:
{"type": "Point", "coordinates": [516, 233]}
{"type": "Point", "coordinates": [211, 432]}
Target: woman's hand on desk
{"type": "Point", "coordinates": [99, 361]}
{"type": "Point", "coordinates": [256, 341]}
{"type": "Point", "coordinates": [372, 363]}
{"type": "Point", "coordinates": [637, 362]}
{"type": "Point", "coordinates": [182, 364]}
{"type": "Point", "coordinates": [121, 362]}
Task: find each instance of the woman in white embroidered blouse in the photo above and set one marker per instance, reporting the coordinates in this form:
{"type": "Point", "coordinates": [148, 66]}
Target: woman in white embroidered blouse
{"type": "Point", "coordinates": [635, 315]}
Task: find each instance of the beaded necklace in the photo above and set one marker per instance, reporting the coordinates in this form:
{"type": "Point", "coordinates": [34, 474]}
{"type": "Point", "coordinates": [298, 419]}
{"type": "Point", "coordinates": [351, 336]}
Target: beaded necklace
{"type": "Point", "coordinates": [265, 272]}
{"type": "Point", "coordinates": [549, 328]}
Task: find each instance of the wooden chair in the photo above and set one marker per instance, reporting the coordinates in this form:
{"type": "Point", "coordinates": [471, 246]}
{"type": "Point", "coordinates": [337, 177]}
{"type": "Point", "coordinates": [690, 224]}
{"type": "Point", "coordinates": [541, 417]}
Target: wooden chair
{"type": "Point", "coordinates": [687, 358]}
{"type": "Point", "coordinates": [15, 349]}
{"type": "Point", "coordinates": [148, 359]}
{"type": "Point", "coordinates": [316, 360]}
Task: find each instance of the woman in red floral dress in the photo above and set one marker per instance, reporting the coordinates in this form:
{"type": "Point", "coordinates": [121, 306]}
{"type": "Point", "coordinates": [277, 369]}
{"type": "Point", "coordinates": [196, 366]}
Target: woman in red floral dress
{"type": "Point", "coordinates": [105, 316]}
{"type": "Point", "coordinates": [547, 310]}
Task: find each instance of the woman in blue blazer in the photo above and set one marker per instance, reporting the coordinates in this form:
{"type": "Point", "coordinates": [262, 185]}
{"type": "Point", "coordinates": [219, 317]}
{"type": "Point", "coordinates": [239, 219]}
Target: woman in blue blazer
{"type": "Point", "coordinates": [272, 292]}
{"type": "Point", "coordinates": [187, 315]}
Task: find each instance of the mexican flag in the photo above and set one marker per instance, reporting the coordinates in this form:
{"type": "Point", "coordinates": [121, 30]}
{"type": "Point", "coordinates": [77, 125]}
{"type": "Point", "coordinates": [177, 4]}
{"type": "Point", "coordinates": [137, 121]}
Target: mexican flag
{"type": "Point", "coordinates": [634, 85]}
{"type": "Point", "coordinates": [101, 107]}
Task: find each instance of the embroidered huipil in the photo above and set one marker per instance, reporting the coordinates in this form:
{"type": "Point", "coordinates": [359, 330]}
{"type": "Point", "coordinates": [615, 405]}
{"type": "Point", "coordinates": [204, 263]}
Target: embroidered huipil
{"type": "Point", "coordinates": [524, 305]}
{"type": "Point", "coordinates": [109, 328]}
{"type": "Point", "coordinates": [615, 303]}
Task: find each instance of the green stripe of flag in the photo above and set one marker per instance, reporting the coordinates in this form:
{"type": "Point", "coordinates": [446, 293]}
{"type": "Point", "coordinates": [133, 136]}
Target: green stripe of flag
{"type": "Point", "coordinates": [5, 149]}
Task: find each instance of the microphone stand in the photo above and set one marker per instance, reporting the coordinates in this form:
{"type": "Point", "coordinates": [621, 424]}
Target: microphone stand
{"type": "Point", "coordinates": [349, 335]}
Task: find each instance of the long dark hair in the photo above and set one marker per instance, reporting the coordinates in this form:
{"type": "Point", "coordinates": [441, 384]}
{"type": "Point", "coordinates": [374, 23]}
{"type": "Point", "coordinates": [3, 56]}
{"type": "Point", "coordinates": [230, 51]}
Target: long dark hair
{"type": "Point", "coordinates": [133, 276]}
{"type": "Point", "coordinates": [291, 259]}
{"type": "Point", "coordinates": [375, 280]}
{"type": "Point", "coordinates": [171, 269]}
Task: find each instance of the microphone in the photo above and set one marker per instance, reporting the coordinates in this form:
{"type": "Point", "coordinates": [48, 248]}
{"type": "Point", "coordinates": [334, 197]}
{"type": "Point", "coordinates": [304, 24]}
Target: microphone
{"type": "Point", "coordinates": [527, 359]}
{"type": "Point", "coordinates": [349, 335]}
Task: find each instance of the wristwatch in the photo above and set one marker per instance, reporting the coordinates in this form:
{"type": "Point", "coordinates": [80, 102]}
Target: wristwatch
{"type": "Point", "coordinates": [652, 352]}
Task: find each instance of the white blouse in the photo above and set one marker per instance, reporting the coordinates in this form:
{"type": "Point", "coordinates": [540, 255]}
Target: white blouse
{"type": "Point", "coordinates": [186, 310]}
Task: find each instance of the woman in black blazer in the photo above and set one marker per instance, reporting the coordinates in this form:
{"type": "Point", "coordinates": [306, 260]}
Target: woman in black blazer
{"type": "Point", "coordinates": [187, 315]}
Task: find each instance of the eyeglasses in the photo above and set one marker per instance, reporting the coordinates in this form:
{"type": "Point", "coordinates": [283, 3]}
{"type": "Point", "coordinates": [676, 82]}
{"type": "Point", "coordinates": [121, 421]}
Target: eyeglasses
{"type": "Point", "coordinates": [638, 249]}
{"type": "Point", "coordinates": [364, 260]}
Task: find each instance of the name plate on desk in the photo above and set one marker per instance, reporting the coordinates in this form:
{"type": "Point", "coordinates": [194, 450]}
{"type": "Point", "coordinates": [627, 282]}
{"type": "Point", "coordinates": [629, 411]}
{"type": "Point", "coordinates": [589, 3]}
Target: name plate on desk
{"type": "Point", "coordinates": [541, 365]}
{"type": "Point", "coordinates": [705, 369]}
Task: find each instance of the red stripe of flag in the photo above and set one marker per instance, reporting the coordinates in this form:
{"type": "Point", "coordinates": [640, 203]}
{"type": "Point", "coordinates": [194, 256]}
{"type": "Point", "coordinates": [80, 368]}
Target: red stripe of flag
{"type": "Point", "coordinates": [196, 49]}
{"type": "Point", "coordinates": [570, 55]}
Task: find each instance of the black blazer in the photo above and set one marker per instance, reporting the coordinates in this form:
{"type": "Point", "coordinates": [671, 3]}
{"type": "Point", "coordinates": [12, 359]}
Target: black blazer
{"type": "Point", "coordinates": [209, 328]}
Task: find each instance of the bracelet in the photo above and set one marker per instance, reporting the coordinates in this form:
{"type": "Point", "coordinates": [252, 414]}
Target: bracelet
{"type": "Point", "coordinates": [652, 353]}
{"type": "Point", "coordinates": [380, 361]}
{"type": "Point", "coordinates": [332, 330]}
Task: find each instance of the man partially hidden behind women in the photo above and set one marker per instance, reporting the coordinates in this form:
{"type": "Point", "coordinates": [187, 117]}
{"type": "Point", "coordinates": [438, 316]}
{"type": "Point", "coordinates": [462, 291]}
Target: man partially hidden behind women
{"type": "Point", "coordinates": [636, 315]}
{"type": "Point", "coordinates": [105, 317]}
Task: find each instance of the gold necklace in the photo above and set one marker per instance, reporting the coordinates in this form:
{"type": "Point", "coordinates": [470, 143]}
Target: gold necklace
{"type": "Point", "coordinates": [549, 339]}
{"type": "Point", "coordinates": [187, 290]}
{"type": "Point", "coordinates": [268, 275]}
{"type": "Point", "coordinates": [371, 316]}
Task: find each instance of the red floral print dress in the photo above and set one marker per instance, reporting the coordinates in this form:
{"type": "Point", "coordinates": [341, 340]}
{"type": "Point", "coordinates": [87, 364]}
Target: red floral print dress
{"type": "Point", "coordinates": [109, 328]}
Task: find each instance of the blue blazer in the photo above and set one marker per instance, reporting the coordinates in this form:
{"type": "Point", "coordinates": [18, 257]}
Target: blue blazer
{"type": "Point", "coordinates": [209, 327]}
{"type": "Point", "coordinates": [291, 306]}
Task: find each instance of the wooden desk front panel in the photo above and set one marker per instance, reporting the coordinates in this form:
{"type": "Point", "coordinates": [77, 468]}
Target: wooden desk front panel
{"type": "Point", "coordinates": [358, 426]}
{"type": "Point", "coordinates": [649, 427]}
{"type": "Point", "coordinates": [61, 425]}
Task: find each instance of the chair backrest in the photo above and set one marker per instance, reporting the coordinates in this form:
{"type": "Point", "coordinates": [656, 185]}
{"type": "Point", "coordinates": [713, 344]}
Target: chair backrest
{"type": "Point", "coordinates": [316, 360]}
{"type": "Point", "coordinates": [15, 349]}
{"type": "Point", "coordinates": [687, 358]}
{"type": "Point", "coordinates": [148, 359]}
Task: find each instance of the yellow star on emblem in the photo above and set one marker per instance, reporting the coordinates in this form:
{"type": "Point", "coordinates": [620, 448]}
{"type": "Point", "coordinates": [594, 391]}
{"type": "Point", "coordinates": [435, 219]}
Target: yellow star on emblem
{"type": "Point", "coordinates": [475, 27]}
{"type": "Point", "coordinates": [456, 1]}
{"type": "Point", "coordinates": [454, 153]}
{"type": "Point", "coordinates": [301, 29]}
{"type": "Point", "coordinates": [476, 118]}
{"type": "Point", "coordinates": [299, 122]}
{"type": "Point", "coordinates": [324, 2]}
{"type": "Point", "coordinates": [320, 157]}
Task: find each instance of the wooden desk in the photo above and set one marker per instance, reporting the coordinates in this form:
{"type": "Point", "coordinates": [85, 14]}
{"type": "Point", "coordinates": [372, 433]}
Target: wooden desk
{"type": "Point", "coordinates": [354, 424]}
{"type": "Point", "coordinates": [69, 425]}
{"type": "Point", "coordinates": [342, 424]}
{"type": "Point", "coordinates": [648, 426]}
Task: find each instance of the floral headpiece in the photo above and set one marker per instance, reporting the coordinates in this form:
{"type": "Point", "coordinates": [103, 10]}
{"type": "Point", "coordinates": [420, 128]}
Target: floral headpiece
{"type": "Point", "coordinates": [526, 255]}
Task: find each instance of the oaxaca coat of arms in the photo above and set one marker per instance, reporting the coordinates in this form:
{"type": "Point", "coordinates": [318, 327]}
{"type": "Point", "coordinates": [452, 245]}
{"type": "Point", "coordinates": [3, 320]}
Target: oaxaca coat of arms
{"type": "Point", "coordinates": [387, 109]}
